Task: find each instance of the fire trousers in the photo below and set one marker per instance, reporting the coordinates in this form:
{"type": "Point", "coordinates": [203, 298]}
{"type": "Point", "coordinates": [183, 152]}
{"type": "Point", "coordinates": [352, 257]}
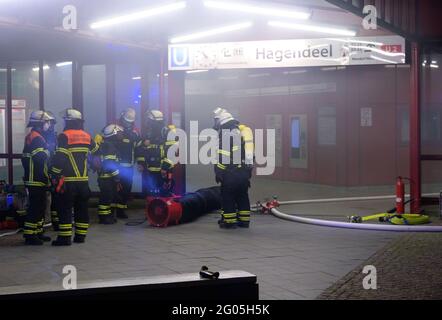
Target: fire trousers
{"type": "Point", "coordinates": [34, 219]}
{"type": "Point", "coordinates": [126, 180]}
{"type": "Point", "coordinates": [108, 195]}
{"type": "Point", "coordinates": [75, 196]}
{"type": "Point", "coordinates": [235, 196]}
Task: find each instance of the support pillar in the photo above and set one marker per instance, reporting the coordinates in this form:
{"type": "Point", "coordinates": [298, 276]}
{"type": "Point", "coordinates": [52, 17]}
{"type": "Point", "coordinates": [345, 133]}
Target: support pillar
{"type": "Point", "coordinates": [415, 130]}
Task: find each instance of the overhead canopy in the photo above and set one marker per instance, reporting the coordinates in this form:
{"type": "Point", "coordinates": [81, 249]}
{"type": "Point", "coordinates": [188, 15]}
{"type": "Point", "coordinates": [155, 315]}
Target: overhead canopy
{"type": "Point", "coordinates": [29, 29]}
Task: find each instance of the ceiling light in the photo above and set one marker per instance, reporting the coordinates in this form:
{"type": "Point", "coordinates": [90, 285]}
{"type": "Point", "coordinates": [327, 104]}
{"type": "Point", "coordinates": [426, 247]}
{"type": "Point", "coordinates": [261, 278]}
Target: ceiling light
{"type": "Point", "coordinates": [139, 15]}
{"type": "Point", "coordinates": [228, 78]}
{"type": "Point", "coordinates": [312, 28]}
{"type": "Point", "coordinates": [358, 41]}
{"type": "Point", "coordinates": [258, 75]}
{"type": "Point", "coordinates": [196, 71]}
{"type": "Point", "coordinates": [434, 66]}
{"type": "Point", "coordinates": [294, 72]}
{"type": "Point", "coordinates": [211, 32]}
{"type": "Point", "coordinates": [136, 78]}
{"type": "Point", "coordinates": [249, 8]}
{"type": "Point", "coordinates": [45, 67]}
{"type": "Point", "coordinates": [62, 64]}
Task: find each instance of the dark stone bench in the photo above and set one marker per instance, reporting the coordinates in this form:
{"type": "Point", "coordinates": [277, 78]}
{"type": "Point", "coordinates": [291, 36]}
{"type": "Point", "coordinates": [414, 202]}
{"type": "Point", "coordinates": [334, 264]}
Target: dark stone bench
{"type": "Point", "coordinates": [231, 285]}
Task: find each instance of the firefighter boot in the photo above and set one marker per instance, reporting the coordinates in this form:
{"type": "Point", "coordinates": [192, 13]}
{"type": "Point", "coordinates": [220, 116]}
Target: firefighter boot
{"type": "Point", "coordinates": [228, 221]}
{"type": "Point", "coordinates": [244, 219]}
{"type": "Point", "coordinates": [44, 238]}
{"type": "Point", "coordinates": [78, 238]}
{"type": "Point", "coordinates": [62, 241]}
{"type": "Point", "coordinates": [225, 225]}
{"type": "Point", "coordinates": [33, 241]}
{"type": "Point", "coordinates": [243, 224]}
{"type": "Point", "coordinates": [121, 214]}
{"type": "Point", "coordinates": [106, 219]}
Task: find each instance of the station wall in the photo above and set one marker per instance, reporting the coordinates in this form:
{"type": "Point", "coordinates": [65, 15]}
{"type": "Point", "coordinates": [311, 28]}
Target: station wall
{"type": "Point", "coordinates": [335, 126]}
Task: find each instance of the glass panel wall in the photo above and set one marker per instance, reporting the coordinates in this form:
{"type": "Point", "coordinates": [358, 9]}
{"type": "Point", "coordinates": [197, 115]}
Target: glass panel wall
{"type": "Point", "coordinates": [128, 90]}
{"type": "Point", "coordinates": [94, 104]}
{"type": "Point", "coordinates": [25, 99]}
{"type": "Point", "coordinates": [58, 89]}
{"type": "Point", "coordinates": [3, 162]}
{"type": "Point", "coordinates": [431, 121]}
{"type": "Point", "coordinates": [128, 94]}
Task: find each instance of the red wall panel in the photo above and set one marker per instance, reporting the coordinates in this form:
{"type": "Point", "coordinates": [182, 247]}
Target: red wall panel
{"type": "Point", "coordinates": [362, 155]}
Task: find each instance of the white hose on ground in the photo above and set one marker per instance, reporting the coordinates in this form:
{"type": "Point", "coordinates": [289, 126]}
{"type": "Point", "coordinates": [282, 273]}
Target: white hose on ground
{"type": "Point", "coordinates": [10, 233]}
{"type": "Point", "coordinates": [349, 199]}
{"type": "Point", "coordinates": [359, 226]}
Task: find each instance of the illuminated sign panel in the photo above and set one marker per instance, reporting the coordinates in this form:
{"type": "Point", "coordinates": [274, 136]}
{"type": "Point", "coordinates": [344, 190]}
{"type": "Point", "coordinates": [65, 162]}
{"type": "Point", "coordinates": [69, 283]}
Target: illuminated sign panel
{"type": "Point", "coordinates": [288, 53]}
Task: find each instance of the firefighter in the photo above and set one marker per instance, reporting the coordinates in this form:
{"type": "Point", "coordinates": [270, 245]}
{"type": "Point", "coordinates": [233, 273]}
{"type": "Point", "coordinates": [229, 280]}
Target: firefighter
{"type": "Point", "coordinates": [34, 160]}
{"type": "Point", "coordinates": [151, 156]}
{"type": "Point", "coordinates": [127, 145]}
{"type": "Point", "coordinates": [234, 169]}
{"type": "Point", "coordinates": [109, 173]}
{"type": "Point", "coordinates": [51, 139]}
{"type": "Point", "coordinates": [70, 177]}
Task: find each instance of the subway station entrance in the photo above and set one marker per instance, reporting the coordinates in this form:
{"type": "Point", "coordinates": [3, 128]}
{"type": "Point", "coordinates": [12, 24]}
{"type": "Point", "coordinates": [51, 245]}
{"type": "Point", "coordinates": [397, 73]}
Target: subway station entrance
{"type": "Point", "coordinates": [352, 108]}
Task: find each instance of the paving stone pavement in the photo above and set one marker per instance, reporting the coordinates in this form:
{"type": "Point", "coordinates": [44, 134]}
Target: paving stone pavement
{"type": "Point", "coordinates": [291, 261]}
{"type": "Point", "coordinates": [408, 268]}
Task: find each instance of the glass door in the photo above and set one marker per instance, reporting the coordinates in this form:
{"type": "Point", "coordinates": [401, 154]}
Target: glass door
{"type": "Point", "coordinates": [431, 122]}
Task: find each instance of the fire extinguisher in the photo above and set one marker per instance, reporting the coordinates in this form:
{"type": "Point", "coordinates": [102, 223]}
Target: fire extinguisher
{"type": "Point", "coordinates": [400, 195]}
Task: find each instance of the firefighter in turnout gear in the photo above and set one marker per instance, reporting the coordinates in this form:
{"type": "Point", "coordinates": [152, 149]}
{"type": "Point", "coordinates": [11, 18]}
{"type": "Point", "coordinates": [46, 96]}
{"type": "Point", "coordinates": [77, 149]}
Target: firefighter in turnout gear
{"type": "Point", "coordinates": [34, 160]}
{"type": "Point", "coordinates": [234, 169]}
{"type": "Point", "coordinates": [109, 173]}
{"type": "Point", "coordinates": [51, 138]}
{"type": "Point", "coordinates": [70, 178]}
{"type": "Point", "coordinates": [126, 147]}
{"type": "Point", "coordinates": [151, 156]}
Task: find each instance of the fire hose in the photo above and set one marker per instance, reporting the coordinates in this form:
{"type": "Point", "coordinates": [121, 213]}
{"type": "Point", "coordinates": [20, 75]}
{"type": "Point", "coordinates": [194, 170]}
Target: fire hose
{"type": "Point", "coordinates": [165, 211]}
{"type": "Point", "coordinates": [399, 223]}
{"type": "Point", "coordinates": [359, 226]}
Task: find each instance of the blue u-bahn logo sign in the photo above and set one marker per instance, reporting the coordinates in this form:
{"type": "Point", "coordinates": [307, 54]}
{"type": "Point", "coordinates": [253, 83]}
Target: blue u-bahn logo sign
{"type": "Point", "coordinates": [179, 57]}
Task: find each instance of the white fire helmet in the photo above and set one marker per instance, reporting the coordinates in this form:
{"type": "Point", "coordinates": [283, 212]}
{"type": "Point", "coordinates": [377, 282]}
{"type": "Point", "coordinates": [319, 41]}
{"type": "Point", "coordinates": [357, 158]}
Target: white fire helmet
{"type": "Point", "coordinates": [129, 115]}
{"type": "Point", "coordinates": [225, 117]}
{"type": "Point", "coordinates": [72, 114]}
{"type": "Point", "coordinates": [111, 130]}
{"type": "Point", "coordinates": [218, 111]}
{"type": "Point", "coordinates": [38, 117]}
{"type": "Point", "coordinates": [155, 115]}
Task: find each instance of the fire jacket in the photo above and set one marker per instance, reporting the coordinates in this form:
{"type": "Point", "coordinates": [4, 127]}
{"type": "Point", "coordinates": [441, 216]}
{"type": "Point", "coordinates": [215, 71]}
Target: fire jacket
{"type": "Point", "coordinates": [152, 153]}
{"type": "Point", "coordinates": [109, 161]}
{"type": "Point", "coordinates": [126, 148]}
{"type": "Point", "coordinates": [70, 159]}
{"type": "Point", "coordinates": [236, 148]}
{"type": "Point", "coordinates": [35, 160]}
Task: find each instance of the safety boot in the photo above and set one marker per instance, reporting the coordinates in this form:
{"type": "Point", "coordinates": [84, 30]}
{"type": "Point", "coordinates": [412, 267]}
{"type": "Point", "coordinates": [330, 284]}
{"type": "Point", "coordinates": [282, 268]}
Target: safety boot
{"type": "Point", "coordinates": [44, 238]}
{"type": "Point", "coordinates": [33, 241]}
{"type": "Point", "coordinates": [62, 241]}
{"type": "Point", "coordinates": [243, 224]}
{"type": "Point", "coordinates": [78, 238]}
{"type": "Point", "coordinates": [106, 219]}
{"type": "Point", "coordinates": [55, 226]}
{"type": "Point", "coordinates": [121, 214]}
{"type": "Point", "coordinates": [225, 225]}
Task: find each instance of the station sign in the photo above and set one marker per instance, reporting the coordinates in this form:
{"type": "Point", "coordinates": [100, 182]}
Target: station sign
{"type": "Point", "coordinates": [288, 53]}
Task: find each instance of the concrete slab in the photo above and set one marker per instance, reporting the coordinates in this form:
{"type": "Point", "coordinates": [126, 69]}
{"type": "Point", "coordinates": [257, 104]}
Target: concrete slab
{"type": "Point", "coordinates": [291, 261]}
